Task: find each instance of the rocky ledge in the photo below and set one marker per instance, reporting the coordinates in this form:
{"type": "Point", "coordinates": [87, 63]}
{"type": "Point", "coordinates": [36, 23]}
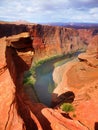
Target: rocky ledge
{"type": "Point", "coordinates": [16, 109]}
{"type": "Point", "coordinates": [81, 78]}
{"type": "Point", "coordinates": [17, 51]}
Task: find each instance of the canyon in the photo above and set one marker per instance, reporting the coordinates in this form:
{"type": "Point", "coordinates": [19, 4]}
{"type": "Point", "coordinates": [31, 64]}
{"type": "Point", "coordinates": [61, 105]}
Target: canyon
{"type": "Point", "coordinates": [22, 44]}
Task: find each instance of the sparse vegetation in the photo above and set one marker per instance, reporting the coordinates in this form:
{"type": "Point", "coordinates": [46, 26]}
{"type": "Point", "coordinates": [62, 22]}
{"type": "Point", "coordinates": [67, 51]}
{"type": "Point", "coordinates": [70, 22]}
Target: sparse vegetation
{"type": "Point", "coordinates": [40, 62]}
{"type": "Point", "coordinates": [67, 107]}
{"type": "Point", "coordinates": [28, 78]}
{"type": "Point", "coordinates": [29, 81]}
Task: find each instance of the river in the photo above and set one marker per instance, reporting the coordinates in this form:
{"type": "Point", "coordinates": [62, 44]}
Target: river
{"type": "Point", "coordinates": [44, 82]}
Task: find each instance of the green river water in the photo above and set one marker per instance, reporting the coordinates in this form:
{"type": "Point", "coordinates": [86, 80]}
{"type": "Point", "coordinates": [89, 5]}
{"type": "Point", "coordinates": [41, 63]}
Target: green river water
{"type": "Point", "coordinates": [44, 84]}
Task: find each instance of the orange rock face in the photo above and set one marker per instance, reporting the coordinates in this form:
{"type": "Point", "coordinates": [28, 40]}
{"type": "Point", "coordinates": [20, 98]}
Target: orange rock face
{"type": "Point", "coordinates": [86, 34]}
{"type": "Point", "coordinates": [8, 113]}
{"type": "Point", "coordinates": [17, 112]}
{"type": "Point", "coordinates": [49, 41]}
{"type": "Point", "coordinates": [81, 78]}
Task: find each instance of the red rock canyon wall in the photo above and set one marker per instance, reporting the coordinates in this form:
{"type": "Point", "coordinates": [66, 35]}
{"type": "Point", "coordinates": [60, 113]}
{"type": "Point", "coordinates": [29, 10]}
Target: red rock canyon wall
{"type": "Point", "coordinates": [16, 53]}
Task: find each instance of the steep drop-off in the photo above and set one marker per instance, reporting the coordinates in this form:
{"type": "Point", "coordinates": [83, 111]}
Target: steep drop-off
{"type": "Point", "coordinates": [8, 29]}
{"type": "Point", "coordinates": [50, 41]}
{"type": "Point", "coordinates": [16, 53]}
{"type": "Point", "coordinates": [14, 113]}
{"type": "Point", "coordinates": [81, 78]}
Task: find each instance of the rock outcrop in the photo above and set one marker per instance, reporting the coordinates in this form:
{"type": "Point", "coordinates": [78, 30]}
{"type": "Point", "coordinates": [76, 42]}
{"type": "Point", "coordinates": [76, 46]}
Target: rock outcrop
{"type": "Point", "coordinates": [9, 118]}
{"type": "Point", "coordinates": [8, 29]}
{"type": "Point", "coordinates": [81, 78]}
{"type": "Point", "coordinates": [14, 111]}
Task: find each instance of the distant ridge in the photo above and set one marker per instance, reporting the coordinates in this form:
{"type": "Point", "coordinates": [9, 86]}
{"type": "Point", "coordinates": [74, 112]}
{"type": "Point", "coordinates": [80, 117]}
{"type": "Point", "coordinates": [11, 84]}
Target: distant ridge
{"type": "Point", "coordinates": [75, 25]}
{"type": "Point", "coordinates": [62, 24]}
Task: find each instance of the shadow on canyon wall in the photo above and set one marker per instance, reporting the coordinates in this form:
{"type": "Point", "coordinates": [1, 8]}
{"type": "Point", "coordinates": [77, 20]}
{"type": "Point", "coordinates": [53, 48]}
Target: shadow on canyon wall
{"type": "Point", "coordinates": [96, 126]}
{"type": "Point", "coordinates": [24, 107]}
{"type": "Point", "coordinates": [67, 97]}
{"type": "Point", "coordinates": [11, 29]}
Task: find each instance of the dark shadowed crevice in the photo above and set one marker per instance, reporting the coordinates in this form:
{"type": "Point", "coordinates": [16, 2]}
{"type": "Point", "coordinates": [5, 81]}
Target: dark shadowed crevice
{"type": "Point", "coordinates": [67, 97]}
{"type": "Point", "coordinates": [16, 67]}
{"type": "Point", "coordinates": [96, 126]}
{"type": "Point", "coordinates": [23, 105]}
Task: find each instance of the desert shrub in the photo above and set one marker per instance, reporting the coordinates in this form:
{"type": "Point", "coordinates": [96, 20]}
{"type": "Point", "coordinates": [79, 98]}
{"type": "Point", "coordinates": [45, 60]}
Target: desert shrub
{"type": "Point", "coordinates": [74, 115]}
{"type": "Point", "coordinates": [67, 107]}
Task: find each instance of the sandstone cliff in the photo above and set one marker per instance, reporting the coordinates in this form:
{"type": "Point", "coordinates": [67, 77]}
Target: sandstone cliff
{"type": "Point", "coordinates": [81, 78]}
{"type": "Point", "coordinates": [7, 29]}
{"type": "Point", "coordinates": [50, 41]}
{"type": "Point", "coordinates": [16, 110]}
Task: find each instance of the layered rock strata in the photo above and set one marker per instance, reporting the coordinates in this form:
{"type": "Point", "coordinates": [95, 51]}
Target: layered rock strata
{"type": "Point", "coordinates": [50, 41]}
{"type": "Point", "coordinates": [81, 78]}
{"type": "Point", "coordinates": [16, 110]}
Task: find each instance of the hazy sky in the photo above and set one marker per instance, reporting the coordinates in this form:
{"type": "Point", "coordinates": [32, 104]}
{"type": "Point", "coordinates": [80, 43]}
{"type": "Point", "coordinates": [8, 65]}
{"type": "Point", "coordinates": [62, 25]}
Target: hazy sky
{"type": "Point", "coordinates": [37, 11]}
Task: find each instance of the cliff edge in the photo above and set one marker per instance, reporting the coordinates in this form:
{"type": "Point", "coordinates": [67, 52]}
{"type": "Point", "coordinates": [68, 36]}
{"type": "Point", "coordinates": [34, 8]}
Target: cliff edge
{"type": "Point", "coordinates": [16, 110]}
{"type": "Point", "coordinates": [81, 78]}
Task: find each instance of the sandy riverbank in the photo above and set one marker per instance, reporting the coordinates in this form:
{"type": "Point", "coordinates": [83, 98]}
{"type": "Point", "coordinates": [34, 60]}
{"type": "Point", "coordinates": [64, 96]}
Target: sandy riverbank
{"type": "Point", "coordinates": [60, 77]}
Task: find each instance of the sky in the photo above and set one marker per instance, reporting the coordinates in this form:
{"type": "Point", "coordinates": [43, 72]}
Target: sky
{"type": "Point", "coordinates": [46, 11]}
